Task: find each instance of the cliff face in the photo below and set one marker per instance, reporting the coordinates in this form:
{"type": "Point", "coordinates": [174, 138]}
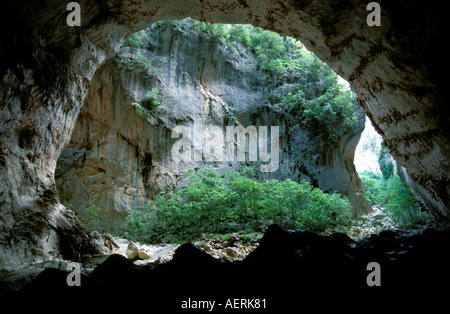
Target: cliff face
{"type": "Point", "coordinates": [396, 70]}
{"type": "Point", "coordinates": [122, 154]}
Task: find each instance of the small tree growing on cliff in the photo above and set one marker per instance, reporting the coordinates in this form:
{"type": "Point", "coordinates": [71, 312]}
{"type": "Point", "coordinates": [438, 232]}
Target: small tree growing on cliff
{"type": "Point", "coordinates": [151, 100]}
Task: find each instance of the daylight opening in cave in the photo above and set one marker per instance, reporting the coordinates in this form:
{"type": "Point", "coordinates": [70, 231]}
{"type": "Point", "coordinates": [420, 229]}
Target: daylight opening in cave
{"type": "Point", "coordinates": [197, 98]}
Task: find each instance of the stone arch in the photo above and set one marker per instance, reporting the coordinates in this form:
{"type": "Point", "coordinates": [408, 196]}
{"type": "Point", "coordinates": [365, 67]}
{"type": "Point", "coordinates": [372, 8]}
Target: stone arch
{"type": "Point", "coordinates": [47, 66]}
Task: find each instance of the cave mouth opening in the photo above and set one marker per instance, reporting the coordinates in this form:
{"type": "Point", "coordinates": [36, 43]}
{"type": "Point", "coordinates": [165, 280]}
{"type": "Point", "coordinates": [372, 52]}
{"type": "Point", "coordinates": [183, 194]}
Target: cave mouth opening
{"type": "Point", "coordinates": [228, 202]}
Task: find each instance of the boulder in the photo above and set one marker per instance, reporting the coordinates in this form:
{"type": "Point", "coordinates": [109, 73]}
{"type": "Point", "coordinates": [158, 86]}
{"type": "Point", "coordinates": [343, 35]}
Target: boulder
{"type": "Point", "coordinates": [274, 250]}
{"type": "Point", "coordinates": [302, 239]}
{"type": "Point", "coordinates": [144, 254]}
{"type": "Point", "coordinates": [189, 255]}
{"type": "Point", "coordinates": [231, 251]}
{"type": "Point", "coordinates": [132, 250]}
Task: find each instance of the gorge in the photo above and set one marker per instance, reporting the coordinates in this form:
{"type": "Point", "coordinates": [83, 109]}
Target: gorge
{"type": "Point", "coordinates": [56, 80]}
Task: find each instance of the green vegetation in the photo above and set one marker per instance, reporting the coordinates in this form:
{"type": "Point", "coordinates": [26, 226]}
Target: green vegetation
{"type": "Point", "coordinates": [311, 94]}
{"type": "Point", "coordinates": [151, 103]}
{"type": "Point", "coordinates": [151, 100]}
{"type": "Point", "coordinates": [374, 187]}
{"type": "Point", "coordinates": [137, 41]}
{"type": "Point", "coordinates": [214, 203]}
{"type": "Point", "coordinates": [386, 164]}
{"type": "Point", "coordinates": [143, 112]}
{"type": "Point", "coordinates": [394, 197]}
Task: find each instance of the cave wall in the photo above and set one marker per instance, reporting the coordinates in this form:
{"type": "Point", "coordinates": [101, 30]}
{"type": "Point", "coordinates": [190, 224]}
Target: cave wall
{"type": "Point", "coordinates": [396, 69]}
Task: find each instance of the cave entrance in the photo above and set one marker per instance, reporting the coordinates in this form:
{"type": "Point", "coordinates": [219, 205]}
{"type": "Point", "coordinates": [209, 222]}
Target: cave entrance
{"type": "Point", "coordinates": [49, 64]}
{"type": "Point", "coordinates": [190, 75]}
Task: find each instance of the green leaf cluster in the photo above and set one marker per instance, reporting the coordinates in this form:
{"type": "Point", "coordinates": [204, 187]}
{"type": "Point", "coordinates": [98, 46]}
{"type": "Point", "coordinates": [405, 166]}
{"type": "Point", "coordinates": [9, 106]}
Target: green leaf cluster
{"type": "Point", "coordinates": [331, 114]}
{"type": "Point", "coordinates": [151, 100]}
{"type": "Point", "coordinates": [137, 41]}
{"type": "Point", "coordinates": [214, 203]}
{"type": "Point", "coordinates": [386, 165]}
{"type": "Point", "coordinates": [395, 198]}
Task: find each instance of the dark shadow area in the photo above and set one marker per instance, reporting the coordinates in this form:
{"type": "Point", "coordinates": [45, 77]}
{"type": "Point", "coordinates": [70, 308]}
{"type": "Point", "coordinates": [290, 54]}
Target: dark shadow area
{"type": "Point", "coordinates": [290, 270]}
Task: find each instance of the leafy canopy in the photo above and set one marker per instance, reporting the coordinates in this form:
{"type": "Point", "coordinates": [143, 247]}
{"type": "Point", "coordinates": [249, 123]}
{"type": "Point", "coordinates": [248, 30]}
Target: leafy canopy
{"type": "Point", "coordinates": [214, 203]}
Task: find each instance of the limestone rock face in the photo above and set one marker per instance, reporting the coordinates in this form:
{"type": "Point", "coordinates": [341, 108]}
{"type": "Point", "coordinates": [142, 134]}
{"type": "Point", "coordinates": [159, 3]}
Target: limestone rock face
{"type": "Point", "coordinates": [397, 69]}
{"type": "Point", "coordinates": [121, 153]}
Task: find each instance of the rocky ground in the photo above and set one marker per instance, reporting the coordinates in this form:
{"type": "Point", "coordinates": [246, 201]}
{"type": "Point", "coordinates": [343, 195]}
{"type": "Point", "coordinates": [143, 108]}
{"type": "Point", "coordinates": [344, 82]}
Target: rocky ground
{"type": "Point", "coordinates": [231, 248]}
{"type": "Point", "coordinates": [291, 270]}
{"type": "Point", "coordinates": [370, 224]}
{"type": "Point", "coordinates": [235, 247]}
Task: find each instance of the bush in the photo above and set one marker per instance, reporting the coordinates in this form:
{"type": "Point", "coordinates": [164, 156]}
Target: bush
{"type": "Point", "coordinates": [401, 204]}
{"type": "Point", "coordinates": [386, 165]}
{"type": "Point", "coordinates": [331, 114]}
{"type": "Point", "coordinates": [373, 184]}
{"type": "Point", "coordinates": [136, 41]}
{"type": "Point", "coordinates": [213, 203]}
{"type": "Point", "coordinates": [89, 217]}
{"type": "Point", "coordinates": [151, 100]}
{"type": "Point", "coordinates": [394, 197]}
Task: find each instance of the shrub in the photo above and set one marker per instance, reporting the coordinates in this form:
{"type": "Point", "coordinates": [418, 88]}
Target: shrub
{"type": "Point", "coordinates": [386, 165]}
{"type": "Point", "coordinates": [151, 100]}
{"type": "Point", "coordinates": [212, 203]}
{"type": "Point", "coordinates": [331, 114]}
{"type": "Point", "coordinates": [374, 187]}
{"type": "Point", "coordinates": [401, 204]}
{"type": "Point", "coordinates": [394, 197]}
{"type": "Point", "coordinates": [136, 41]}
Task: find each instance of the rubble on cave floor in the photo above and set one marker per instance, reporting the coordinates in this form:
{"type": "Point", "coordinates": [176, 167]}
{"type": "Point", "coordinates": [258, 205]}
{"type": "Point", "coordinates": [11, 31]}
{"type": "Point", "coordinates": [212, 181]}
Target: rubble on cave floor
{"type": "Point", "coordinates": [231, 247]}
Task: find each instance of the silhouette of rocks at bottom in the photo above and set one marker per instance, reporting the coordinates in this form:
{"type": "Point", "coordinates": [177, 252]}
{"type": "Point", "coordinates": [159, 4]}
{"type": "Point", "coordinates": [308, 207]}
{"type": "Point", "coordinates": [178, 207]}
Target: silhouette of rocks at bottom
{"type": "Point", "coordinates": [290, 270]}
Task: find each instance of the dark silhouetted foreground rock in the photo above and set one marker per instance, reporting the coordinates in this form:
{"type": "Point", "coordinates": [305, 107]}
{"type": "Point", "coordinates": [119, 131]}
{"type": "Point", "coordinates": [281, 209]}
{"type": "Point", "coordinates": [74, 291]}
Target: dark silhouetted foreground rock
{"type": "Point", "coordinates": [289, 269]}
{"type": "Point", "coordinates": [274, 250]}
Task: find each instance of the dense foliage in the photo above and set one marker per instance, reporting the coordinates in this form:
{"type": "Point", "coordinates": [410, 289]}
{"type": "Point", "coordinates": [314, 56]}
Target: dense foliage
{"type": "Point", "coordinates": [385, 162]}
{"type": "Point", "coordinates": [214, 203]}
{"type": "Point", "coordinates": [394, 197]}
